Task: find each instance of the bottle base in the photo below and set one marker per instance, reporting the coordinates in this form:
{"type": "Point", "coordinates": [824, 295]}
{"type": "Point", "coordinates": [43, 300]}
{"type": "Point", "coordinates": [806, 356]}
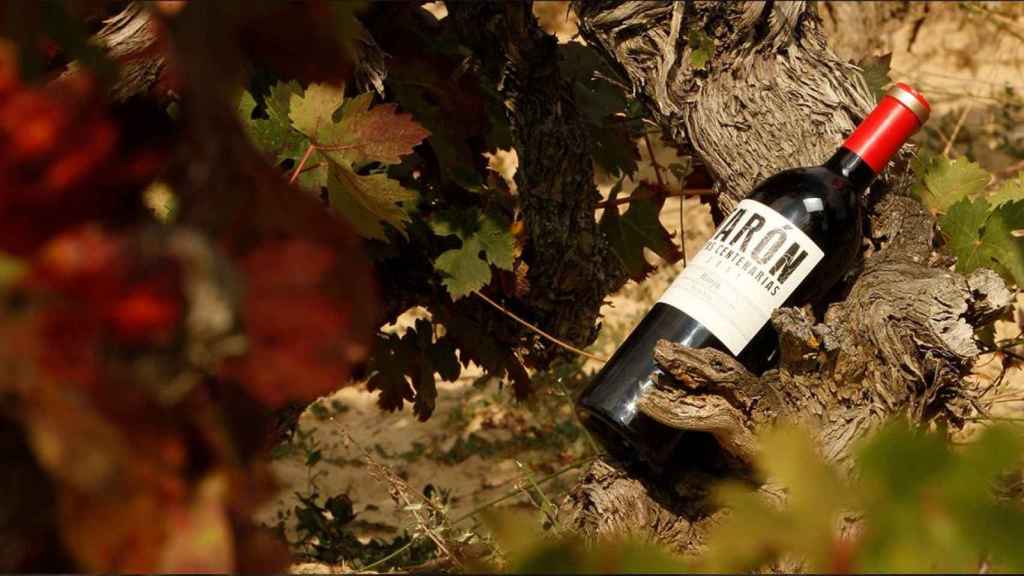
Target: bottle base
{"type": "Point", "coordinates": [645, 441]}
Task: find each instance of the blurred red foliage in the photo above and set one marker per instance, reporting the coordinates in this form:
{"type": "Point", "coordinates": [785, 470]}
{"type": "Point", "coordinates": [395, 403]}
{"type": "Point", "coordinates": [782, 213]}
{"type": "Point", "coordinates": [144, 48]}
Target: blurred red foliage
{"type": "Point", "coordinates": [150, 430]}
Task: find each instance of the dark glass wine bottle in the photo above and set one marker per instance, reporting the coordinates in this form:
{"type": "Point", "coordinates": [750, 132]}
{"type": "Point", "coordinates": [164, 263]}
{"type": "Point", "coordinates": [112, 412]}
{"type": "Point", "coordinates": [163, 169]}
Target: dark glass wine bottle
{"type": "Point", "coordinates": [787, 243]}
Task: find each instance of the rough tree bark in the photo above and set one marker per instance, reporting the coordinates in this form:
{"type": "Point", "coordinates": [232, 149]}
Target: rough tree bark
{"type": "Point", "coordinates": [897, 340]}
{"type": "Point", "coordinates": [571, 267]}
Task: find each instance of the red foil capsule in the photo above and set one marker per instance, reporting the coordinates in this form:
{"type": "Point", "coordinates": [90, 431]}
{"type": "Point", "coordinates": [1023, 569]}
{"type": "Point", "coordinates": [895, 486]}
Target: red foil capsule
{"type": "Point", "coordinates": [901, 112]}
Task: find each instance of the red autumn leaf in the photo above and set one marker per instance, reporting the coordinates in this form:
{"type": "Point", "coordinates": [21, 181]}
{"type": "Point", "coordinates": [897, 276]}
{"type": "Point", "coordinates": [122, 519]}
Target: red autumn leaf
{"type": "Point", "coordinates": [140, 301]}
{"type": "Point", "coordinates": [300, 336]}
{"type": "Point", "coordinates": [380, 134]}
{"type": "Point", "coordinates": [145, 314]}
{"type": "Point", "coordinates": [80, 257]}
{"type": "Point", "coordinates": [65, 159]}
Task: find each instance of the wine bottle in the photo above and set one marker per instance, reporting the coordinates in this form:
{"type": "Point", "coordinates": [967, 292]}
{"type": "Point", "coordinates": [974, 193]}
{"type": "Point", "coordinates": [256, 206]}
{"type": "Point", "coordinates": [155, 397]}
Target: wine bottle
{"type": "Point", "coordinates": [789, 242]}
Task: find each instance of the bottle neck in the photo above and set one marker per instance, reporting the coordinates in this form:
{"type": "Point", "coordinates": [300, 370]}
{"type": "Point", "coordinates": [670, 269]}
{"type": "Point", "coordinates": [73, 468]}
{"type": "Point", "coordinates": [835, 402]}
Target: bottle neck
{"type": "Point", "coordinates": [880, 136]}
{"type": "Point", "coordinates": [852, 167]}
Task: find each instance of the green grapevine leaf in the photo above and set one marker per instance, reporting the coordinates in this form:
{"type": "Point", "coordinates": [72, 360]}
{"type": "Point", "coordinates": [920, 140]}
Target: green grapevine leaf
{"type": "Point", "coordinates": [943, 182]}
{"type": "Point", "coordinates": [273, 135]}
{"type": "Point", "coordinates": [366, 201]}
{"type": "Point", "coordinates": [497, 243]}
{"type": "Point", "coordinates": [917, 494]}
{"type": "Point", "coordinates": [909, 477]}
{"type": "Point", "coordinates": [314, 175]}
{"type": "Point", "coordinates": [600, 101]}
{"type": "Point", "coordinates": [875, 70]}
{"type": "Point", "coordinates": [313, 110]}
{"type": "Point", "coordinates": [702, 48]}
{"type": "Point", "coordinates": [980, 236]}
{"type": "Point", "coordinates": [464, 268]}
{"type": "Point", "coordinates": [1008, 191]}
{"type": "Point", "coordinates": [279, 102]}
{"type": "Point", "coordinates": [637, 229]}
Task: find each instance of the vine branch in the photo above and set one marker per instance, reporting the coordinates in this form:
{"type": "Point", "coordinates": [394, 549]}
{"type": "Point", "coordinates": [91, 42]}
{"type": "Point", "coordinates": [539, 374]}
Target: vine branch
{"type": "Point", "coordinates": [551, 338]}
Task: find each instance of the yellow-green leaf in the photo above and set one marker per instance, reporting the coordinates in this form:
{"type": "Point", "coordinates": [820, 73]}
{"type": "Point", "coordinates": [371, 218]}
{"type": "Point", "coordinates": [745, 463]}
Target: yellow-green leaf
{"type": "Point", "coordinates": [1008, 191]}
{"type": "Point", "coordinates": [943, 182]}
{"type": "Point", "coordinates": [466, 268]}
{"type": "Point", "coordinates": [368, 202]}
{"type": "Point", "coordinates": [273, 136]}
{"type": "Point", "coordinates": [702, 48]}
{"type": "Point", "coordinates": [312, 111]}
{"type": "Point", "coordinates": [982, 236]}
{"type": "Point", "coordinates": [464, 271]}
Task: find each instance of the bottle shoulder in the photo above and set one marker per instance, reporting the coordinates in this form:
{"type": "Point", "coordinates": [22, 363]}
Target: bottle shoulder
{"type": "Point", "coordinates": [813, 180]}
{"type": "Point", "coordinates": [817, 200]}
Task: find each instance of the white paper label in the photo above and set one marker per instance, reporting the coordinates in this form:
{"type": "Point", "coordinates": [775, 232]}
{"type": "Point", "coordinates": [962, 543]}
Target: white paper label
{"type": "Point", "coordinates": [748, 268]}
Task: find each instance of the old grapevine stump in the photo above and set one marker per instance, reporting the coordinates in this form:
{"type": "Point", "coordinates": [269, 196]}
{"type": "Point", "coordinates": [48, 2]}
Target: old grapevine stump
{"type": "Point", "coordinates": [898, 337]}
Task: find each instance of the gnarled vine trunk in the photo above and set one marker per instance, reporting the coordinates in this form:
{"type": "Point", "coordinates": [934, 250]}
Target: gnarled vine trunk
{"type": "Point", "coordinates": [899, 337]}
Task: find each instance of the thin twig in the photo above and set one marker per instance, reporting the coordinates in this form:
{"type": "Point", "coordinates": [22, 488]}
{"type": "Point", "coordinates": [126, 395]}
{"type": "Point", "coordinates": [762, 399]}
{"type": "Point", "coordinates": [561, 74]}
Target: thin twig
{"type": "Point", "coordinates": [682, 230]}
{"type": "Point", "coordinates": [1012, 169]}
{"type": "Point", "coordinates": [654, 161]}
{"type": "Point", "coordinates": [1001, 399]}
{"type": "Point", "coordinates": [994, 418]}
{"type": "Point", "coordinates": [516, 492]}
{"type": "Point", "coordinates": [1008, 343]}
{"type": "Point", "coordinates": [545, 505]}
{"type": "Point", "coordinates": [302, 163]}
{"type": "Point", "coordinates": [313, 146]}
{"type": "Point", "coordinates": [1012, 354]}
{"type": "Point", "coordinates": [540, 492]}
{"type": "Point", "coordinates": [565, 345]}
{"type": "Point", "coordinates": [586, 433]}
{"type": "Point", "coordinates": [956, 129]}
{"type": "Point", "coordinates": [1001, 21]}
{"type": "Point", "coordinates": [394, 554]}
{"type": "Point", "coordinates": [400, 494]}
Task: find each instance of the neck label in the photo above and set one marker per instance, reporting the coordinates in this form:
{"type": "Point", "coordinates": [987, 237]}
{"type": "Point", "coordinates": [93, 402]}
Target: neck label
{"type": "Point", "coordinates": [749, 267]}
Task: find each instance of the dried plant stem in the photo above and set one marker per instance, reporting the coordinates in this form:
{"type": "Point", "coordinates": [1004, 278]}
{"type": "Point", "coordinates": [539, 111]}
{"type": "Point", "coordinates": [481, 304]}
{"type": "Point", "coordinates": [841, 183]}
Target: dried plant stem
{"type": "Point", "coordinates": [1012, 169]}
{"type": "Point", "coordinates": [394, 554]}
{"type": "Point", "coordinates": [956, 130]}
{"type": "Point", "coordinates": [519, 489]}
{"type": "Point", "coordinates": [399, 491]}
{"type": "Point", "coordinates": [554, 340]}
